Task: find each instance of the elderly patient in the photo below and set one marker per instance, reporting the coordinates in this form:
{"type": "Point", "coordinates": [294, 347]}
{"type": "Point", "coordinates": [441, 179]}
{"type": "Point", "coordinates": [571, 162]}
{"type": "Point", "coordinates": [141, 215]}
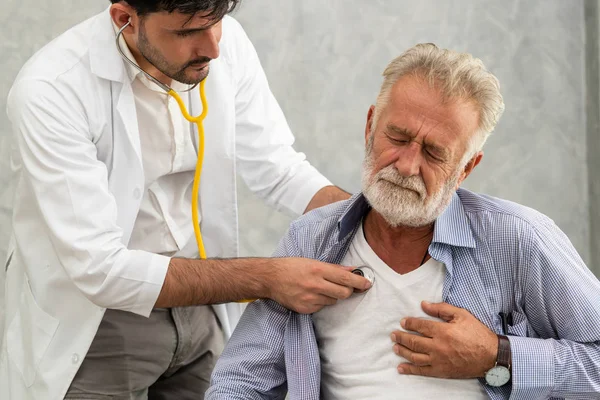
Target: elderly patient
{"type": "Point", "coordinates": [481, 297]}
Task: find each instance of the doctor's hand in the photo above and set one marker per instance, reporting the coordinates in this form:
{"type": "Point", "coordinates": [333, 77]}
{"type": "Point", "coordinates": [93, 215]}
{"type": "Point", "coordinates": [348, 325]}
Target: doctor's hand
{"type": "Point", "coordinates": [460, 347]}
{"type": "Point", "coordinates": [306, 286]}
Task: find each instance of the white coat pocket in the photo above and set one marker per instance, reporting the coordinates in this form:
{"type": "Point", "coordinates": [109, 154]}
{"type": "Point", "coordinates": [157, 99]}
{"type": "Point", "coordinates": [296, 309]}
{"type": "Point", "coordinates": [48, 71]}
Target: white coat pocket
{"type": "Point", "coordinates": [29, 334]}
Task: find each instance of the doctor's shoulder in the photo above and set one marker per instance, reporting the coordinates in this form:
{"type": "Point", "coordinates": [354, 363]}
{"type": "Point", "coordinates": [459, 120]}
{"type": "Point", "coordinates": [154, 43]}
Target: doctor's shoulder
{"type": "Point", "coordinates": [237, 50]}
{"type": "Point", "coordinates": [61, 55]}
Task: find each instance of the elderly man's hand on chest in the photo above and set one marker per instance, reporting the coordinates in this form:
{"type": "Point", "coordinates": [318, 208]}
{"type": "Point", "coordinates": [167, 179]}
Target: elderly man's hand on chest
{"type": "Point", "coordinates": [460, 347]}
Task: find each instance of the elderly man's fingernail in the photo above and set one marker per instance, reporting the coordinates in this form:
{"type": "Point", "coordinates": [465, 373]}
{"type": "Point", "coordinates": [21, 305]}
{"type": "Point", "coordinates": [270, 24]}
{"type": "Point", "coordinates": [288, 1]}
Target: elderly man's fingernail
{"type": "Point", "coordinates": [393, 337]}
{"type": "Point", "coordinates": [403, 322]}
{"type": "Point", "coordinates": [426, 302]}
{"type": "Point", "coordinates": [400, 369]}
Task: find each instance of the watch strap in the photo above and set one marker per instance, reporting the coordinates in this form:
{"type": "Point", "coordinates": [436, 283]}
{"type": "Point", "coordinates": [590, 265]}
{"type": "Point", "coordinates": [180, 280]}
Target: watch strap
{"type": "Point", "coordinates": [504, 354]}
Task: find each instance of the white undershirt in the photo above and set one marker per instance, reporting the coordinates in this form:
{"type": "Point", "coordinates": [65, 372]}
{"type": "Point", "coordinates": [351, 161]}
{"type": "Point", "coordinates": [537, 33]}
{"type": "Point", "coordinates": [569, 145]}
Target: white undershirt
{"type": "Point", "coordinates": [357, 359]}
{"type": "Point", "coordinates": [163, 224]}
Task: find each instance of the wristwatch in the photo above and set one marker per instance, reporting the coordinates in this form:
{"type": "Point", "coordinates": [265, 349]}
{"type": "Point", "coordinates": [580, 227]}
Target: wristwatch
{"type": "Point", "coordinates": [499, 374]}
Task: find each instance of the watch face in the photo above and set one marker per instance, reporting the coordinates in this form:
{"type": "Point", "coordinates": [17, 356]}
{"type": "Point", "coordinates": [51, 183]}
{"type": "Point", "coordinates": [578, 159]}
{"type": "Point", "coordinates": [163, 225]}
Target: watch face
{"type": "Point", "coordinates": [497, 376]}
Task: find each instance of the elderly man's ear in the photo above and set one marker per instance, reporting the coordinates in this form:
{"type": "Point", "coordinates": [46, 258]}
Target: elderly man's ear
{"type": "Point", "coordinates": [473, 162]}
{"type": "Point", "coordinates": [369, 123]}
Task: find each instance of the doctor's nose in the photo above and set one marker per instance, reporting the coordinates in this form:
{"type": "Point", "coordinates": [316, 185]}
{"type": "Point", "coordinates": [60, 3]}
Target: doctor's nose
{"type": "Point", "coordinates": [210, 43]}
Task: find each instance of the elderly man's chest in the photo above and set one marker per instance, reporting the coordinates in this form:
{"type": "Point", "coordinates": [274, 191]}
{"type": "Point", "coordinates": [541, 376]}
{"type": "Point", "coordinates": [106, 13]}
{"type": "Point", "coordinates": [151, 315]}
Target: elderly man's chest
{"type": "Point", "coordinates": [354, 346]}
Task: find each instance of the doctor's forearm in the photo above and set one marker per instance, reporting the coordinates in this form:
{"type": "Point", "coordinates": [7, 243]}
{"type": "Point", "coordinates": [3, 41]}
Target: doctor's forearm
{"type": "Point", "coordinates": [193, 282]}
{"type": "Point", "coordinates": [299, 284]}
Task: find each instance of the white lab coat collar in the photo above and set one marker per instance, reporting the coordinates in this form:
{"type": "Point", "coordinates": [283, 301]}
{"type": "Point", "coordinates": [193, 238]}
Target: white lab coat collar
{"type": "Point", "coordinates": [105, 60]}
{"type": "Point", "coordinates": [107, 63]}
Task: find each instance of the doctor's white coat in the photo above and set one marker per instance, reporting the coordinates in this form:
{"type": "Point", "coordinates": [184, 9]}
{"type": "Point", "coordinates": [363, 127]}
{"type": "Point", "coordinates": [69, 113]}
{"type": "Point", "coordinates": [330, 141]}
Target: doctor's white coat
{"type": "Point", "coordinates": [80, 180]}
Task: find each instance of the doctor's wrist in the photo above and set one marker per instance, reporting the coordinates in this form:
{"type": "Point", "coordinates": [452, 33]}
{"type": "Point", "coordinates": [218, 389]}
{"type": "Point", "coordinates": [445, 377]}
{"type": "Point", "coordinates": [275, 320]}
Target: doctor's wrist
{"type": "Point", "coordinates": [264, 270]}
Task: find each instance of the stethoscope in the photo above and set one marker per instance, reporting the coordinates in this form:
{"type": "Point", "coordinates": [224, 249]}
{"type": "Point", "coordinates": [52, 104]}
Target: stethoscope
{"type": "Point", "coordinates": [363, 271]}
{"type": "Point", "coordinates": [196, 120]}
{"type": "Point", "coordinates": [367, 273]}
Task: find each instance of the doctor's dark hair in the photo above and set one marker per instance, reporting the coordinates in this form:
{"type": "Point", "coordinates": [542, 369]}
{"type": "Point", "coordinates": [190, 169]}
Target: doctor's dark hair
{"type": "Point", "coordinates": [210, 9]}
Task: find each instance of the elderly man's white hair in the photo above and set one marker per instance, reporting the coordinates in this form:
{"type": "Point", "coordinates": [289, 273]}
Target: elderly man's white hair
{"type": "Point", "coordinates": [457, 76]}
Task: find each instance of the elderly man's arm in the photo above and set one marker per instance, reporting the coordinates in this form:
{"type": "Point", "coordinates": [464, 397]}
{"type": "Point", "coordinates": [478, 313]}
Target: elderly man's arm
{"type": "Point", "coordinates": [560, 299]}
{"type": "Point", "coordinates": [562, 304]}
{"type": "Point", "coordinates": [252, 365]}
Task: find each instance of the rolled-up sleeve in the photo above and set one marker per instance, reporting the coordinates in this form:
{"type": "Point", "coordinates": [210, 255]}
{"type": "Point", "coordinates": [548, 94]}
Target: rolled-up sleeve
{"type": "Point", "coordinates": [267, 161]}
{"type": "Point", "coordinates": [77, 211]}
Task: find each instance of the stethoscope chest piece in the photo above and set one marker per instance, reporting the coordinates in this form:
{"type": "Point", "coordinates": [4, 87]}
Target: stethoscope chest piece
{"type": "Point", "coordinates": [366, 272]}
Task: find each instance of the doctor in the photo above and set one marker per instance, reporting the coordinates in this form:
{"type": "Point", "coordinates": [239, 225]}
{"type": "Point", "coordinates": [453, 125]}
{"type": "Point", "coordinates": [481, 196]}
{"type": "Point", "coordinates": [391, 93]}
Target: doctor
{"type": "Point", "coordinates": [105, 297]}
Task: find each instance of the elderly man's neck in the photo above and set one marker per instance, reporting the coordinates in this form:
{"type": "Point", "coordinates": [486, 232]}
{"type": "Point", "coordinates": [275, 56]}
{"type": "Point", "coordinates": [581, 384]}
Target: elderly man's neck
{"type": "Point", "coordinates": [402, 248]}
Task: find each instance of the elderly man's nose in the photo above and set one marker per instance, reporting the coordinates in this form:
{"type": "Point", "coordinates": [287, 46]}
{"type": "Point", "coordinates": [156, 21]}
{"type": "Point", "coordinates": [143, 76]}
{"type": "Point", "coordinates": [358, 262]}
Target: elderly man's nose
{"type": "Point", "coordinates": [409, 160]}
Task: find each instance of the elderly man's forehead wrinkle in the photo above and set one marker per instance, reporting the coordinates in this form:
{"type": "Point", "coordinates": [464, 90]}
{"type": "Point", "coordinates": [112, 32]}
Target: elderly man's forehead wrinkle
{"type": "Point", "coordinates": [422, 124]}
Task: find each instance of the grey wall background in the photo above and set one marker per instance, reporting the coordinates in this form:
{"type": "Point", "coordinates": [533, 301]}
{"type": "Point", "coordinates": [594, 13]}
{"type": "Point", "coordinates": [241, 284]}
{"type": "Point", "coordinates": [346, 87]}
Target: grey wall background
{"type": "Point", "coordinates": [324, 66]}
{"type": "Point", "coordinates": [592, 18]}
{"type": "Point", "coordinates": [324, 60]}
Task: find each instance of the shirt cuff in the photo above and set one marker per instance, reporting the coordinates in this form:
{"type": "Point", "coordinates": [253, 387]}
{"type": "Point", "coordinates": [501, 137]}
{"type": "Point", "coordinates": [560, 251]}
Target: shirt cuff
{"type": "Point", "coordinates": [532, 367]}
{"type": "Point", "coordinates": [156, 267]}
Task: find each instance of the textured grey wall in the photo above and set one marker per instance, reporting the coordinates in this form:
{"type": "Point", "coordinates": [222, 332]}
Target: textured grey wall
{"type": "Point", "coordinates": [592, 18]}
{"type": "Point", "coordinates": [324, 60]}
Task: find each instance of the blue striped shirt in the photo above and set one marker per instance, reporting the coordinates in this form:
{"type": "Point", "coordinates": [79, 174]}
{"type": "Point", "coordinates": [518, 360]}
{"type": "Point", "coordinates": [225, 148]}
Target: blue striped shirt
{"type": "Point", "coordinates": [499, 257]}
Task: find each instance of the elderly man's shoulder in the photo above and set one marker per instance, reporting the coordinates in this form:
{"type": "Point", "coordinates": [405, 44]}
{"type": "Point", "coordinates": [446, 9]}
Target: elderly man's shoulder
{"type": "Point", "coordinates": [315, 231]}
{"type": "Point", "coordinates": [502, 214]}
{"type": "Point", "coordinates": [325, 217]}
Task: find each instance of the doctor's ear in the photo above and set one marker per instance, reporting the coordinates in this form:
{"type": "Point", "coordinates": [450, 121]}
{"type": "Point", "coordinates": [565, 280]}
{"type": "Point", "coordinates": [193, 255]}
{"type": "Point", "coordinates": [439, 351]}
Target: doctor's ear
{"type": "Point", "coordinates": [121, 14]}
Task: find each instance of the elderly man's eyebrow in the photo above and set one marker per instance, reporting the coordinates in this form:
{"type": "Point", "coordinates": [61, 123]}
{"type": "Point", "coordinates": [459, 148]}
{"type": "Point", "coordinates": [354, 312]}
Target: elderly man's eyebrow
{"type": "Point", "coordinates": [400, 131]}
{"type": "Point", "coordinates": [438, 151]}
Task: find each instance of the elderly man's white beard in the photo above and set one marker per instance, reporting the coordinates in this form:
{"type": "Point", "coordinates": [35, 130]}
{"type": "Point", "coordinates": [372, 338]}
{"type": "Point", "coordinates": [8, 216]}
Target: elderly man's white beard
{"type": "Point", "coordinates": [403, 201]}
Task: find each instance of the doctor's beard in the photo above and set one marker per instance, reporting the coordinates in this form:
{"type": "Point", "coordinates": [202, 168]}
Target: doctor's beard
{"type": "Point", "coordinates": [403, 201]}
{"type": "Point", "coordinates": [177, 73]}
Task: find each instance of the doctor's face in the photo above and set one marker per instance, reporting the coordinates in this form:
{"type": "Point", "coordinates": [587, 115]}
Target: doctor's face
{"type": "Point", "coordinates": [415, 153]}
{"type": "Point", "coordinates": [178, 45]}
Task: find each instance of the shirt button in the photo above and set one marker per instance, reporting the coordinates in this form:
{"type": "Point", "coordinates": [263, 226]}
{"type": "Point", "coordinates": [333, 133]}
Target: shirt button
{"type": "Point", "coordinates": [75, 358]}
{"type": "Point", "coordinates": [137, 193]}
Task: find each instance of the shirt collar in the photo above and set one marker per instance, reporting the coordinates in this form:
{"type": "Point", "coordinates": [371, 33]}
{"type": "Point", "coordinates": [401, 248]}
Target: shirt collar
{"type": "Point", "coordinates": [452, 227]}
{"type": "Point", "coordinates": [356, 210]}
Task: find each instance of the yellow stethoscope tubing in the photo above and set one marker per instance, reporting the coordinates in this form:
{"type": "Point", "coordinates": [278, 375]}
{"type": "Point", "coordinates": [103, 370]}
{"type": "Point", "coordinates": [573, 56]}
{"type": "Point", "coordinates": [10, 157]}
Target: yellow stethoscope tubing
{"type": "Point", "coordinates": [196, 120]}
{"type": "Point", "coordinates": [200, 161]}
{"type": "Point", "coordinates": [198, 173]}
{"type": "Point", "coordinates": [199, 124]}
